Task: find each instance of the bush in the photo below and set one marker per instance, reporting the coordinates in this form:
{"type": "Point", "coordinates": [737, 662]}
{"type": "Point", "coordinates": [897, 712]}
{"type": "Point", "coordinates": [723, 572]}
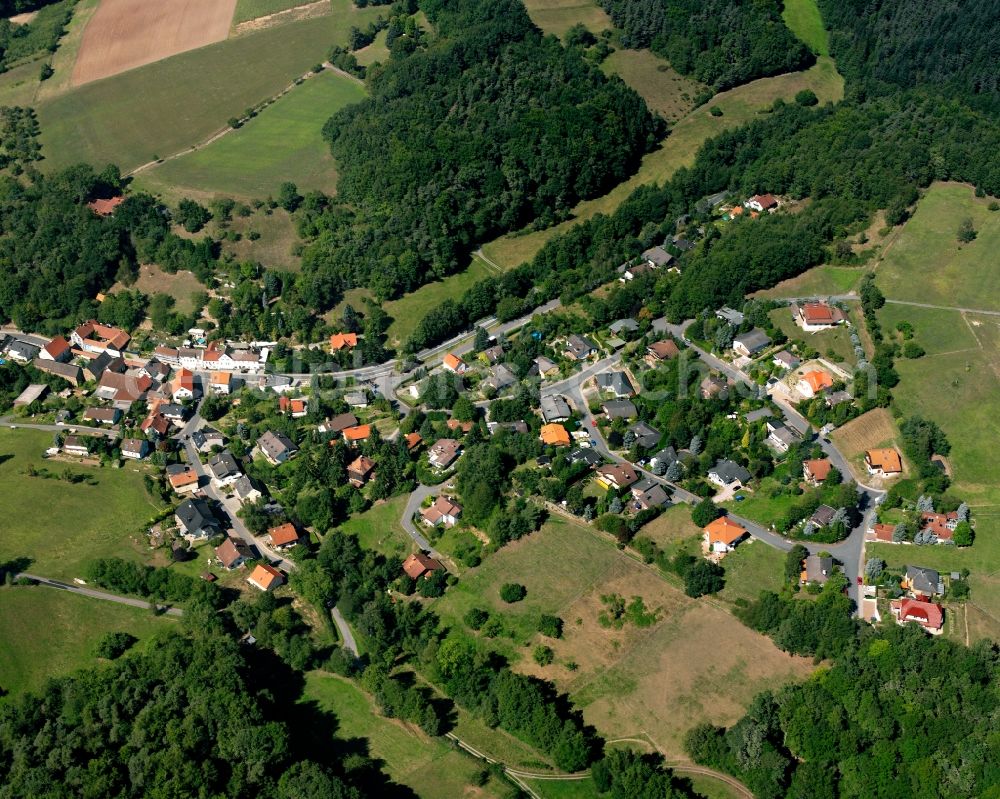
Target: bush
{"type": "Point", "coordinates": [550, 626]}
{"type": "Point", "coordinates": [513, 592]}
{"type": "Point", "coordinates": [476, 618]}
{"type": "Point", "coordinates": [113, 645]}
{"type": "Point", "coordinates": [705, 512]}
{"type": "Point", "coordinates": [963, 535]}
{"type": "Point", "coordinates": [806, 97]}
{"type": "Point", "coordinates": [543, 655]}
{"type": "Point", "coordinates": [703, 577]}
{"type": "Point", "coordinates": [913, 350]}
{"type": "Point", "coordinates": [715, 111]}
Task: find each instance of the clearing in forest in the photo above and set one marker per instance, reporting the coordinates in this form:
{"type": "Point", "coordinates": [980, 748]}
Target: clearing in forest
{"type": "Point", "coordinates": [124, 34]}
{"type": "Point", "coordinates": [558, 16]}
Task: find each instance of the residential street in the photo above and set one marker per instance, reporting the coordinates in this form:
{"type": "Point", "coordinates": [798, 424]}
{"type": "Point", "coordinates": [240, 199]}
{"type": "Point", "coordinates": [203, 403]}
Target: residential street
{"type": "Point", "coordinates": [413, 506]}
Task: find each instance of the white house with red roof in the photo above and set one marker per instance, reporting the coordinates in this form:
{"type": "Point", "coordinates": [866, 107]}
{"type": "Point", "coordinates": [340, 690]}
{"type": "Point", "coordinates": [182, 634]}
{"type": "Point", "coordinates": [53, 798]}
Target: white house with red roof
{"type": "Point", "coordinates": [928, 615]}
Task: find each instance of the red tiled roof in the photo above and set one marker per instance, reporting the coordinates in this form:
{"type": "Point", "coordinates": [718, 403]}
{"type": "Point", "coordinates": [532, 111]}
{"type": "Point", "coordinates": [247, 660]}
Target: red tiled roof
{"type": "Point", "coordinates": [818, 469]}
{"type": "Point", "coordinates": [357, 433]}
{"type": "Point", "coordinates": [927, 614]}
{"type": "Point", "coordinates": [57, 347]}
{"type": "Point", "coordinates": [883, 532]}
{"type": "Point", "coordinates": [341, 341]}
{"type": "Point", "coordinates": [105, 207]}
{"type": "Point", "coordinates": [937, 523]}
{"type": "Point", "coordinates": [886, 459]}
{"type": "Point", "coordinates": [283, 534]}
{"type": "Point", "coordinates": [418, 564]}
{"type": "Point", "coordinates": [820, 313]}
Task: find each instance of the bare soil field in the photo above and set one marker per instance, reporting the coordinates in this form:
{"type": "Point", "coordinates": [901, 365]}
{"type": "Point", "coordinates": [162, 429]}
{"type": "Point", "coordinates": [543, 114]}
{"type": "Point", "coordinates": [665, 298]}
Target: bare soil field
{"type": "Point", "coordinates": [124, 34]}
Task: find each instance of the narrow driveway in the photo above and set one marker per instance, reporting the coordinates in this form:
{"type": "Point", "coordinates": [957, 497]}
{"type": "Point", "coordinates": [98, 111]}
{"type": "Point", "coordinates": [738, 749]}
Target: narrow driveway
{"type": "Point", "coordinates": [93, 594]}
{"type": "Point", "coordinates": [412, 507]}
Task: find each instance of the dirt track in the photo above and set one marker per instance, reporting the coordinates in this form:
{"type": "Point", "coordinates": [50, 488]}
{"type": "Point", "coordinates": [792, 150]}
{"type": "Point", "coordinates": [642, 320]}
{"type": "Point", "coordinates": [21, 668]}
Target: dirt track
{"type": "Point", "coordinates": [124, 34]}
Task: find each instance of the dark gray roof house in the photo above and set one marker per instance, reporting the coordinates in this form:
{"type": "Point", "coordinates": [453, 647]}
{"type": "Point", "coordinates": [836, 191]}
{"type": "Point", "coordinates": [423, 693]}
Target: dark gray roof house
{"type": "Point", "coordinates": [731, 315]}
{"type": "Point", "coordinates": [657, 257]}
{"type": "Point", "coordinates": [650, 495]}
{"type": "Point", "coordinates": [500, 377]}
{"type": "Point", "coordinates": [818, 569]}
{"type": "Point", "coordinates": [616, 383]}
{"type": "Point", "coordinates": [667, 455]}
{"type": "Point", "coordinates": [22, 351]}
{"type": "Point", "coordinates": [206, 438]}
{"type": "Point", "coordinates": [823, 516]}
{"type": "Point", "coordinates": [646, 436]}
{"type": "Point", "coordinates": [586, 455]}
{"type": "Point", "coordinates": [619, 409]}
{"type": "Point", "coordinates": [726, 472]}
{"type": "Point", "coordinates": [755, 416]}
{"type": "Point", "coordinates": [276, 447]}
{"type": "Point", "coordinates": [195, 519]}
{"type": "Point", "coordinates": [624, 325]}
{"type": "Point", "coordinates": [924, 581]}
{"type": "Point", "coordinates": [224, 467]}
{"type": "Point", "coordinates": [751, 342]}
{"type": "Point", "coordinates": [555, 408]}
{"type": "Point", "coordinates": [579, 347]}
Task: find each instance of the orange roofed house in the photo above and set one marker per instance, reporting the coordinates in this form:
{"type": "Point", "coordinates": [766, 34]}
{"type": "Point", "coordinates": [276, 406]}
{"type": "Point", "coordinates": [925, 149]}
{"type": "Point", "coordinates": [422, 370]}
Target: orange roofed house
{"type": "Point", "coordinates": [105, 207]}
{"type": "Point", "coordinates": [343, 341]}
{"type": "Point", "coordinates": [97, 338]}
{"type": "Point", "coordinates": [359, 471]}
{"type": "Point", "coordinates": [816, 471]}
{"type": "Point", "coordinates": [454, 364]}
{"type": "Point", "coordinates": [419, 565]}
{"type": "Point", "coordinates": [723, 535]}
{"type": "Point", "coordinates": [813, 383]}
{"type": "Point", "coordinates": [883, 462]}
{"type": "Point", "coordinates": [283, 536]}
{"type": "Point", "coordinates": [358, 433]}
{"type": "Point", "coordinates": [266, 578]}
{"type": "Point", "coordinates": [813, 316]}
{"type": "Point", "coordinates": [555, 435]}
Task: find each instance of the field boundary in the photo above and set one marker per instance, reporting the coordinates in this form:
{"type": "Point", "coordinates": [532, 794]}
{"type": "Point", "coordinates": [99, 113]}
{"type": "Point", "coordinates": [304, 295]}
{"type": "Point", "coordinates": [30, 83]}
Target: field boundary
{"type": "Point", "coordinates": [320, 8]}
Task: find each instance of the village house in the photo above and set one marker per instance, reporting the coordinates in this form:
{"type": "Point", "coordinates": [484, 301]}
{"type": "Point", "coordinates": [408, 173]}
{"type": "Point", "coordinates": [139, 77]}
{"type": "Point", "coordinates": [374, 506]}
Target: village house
{"type": "Point", "coordinates": [579, 347]}
{"type": "Point", "coordinates": [357, 434]}
{"type": "Point", "coordinates": [656, 257]}
{"type": "Point", "coordinates": [284, 536]}
{"type": "Point", "coordinates": [173, 412]}
{"type": "Point", "coordinates": [75, 445]}
{"type": "Point", "coordinates": [620, 326]}
{"type": "Point", "coordinates": [586, 455]}
{"type": "Point", "coordinates": [359, 471]}
{"type": "Point", "coordinates": [338, 424]}
{"type": "Point", "coordinates": [225, 469]}
{"type": "Point", "coordinates": [206, 438]}
{"type": "Point", "coordinates": [546, 366]}
{"type": "Point", "coordinates": [232, 553]}
{"type": "Point", "coordinates": [412, 441]}
{"type": "Point", "coordinates": [617, 384]}
{"type": "Point", "coordinates": [105, 206]}
{"type": "Point", "coordinates": [822, 517]}
{"type": "Point", "coordinates": [97, 338]}
{"type": "Point", "coordinates": [195, 519]}
{"type": "Point", "coordinates": [58, 349]}
{"type": "Point", "coordinates": [815, 316]}
{"type": "Point", "coordinates": [520, 427]}
{"type": "Point", "coordinates": [452, 363]}
{"type": "Point", "coordinates": [751, 342]}
{"type": "Point", "coordinates": [555, 408]}
{"type": "Point", "coordinates": [616, 476]}
{"type": "Point", "coordinates": [666, 456]}
{"type": "Point", "coordinates": [713, 386]}
{"type": "Point", "coordinates": [646, 436]}
{"type": "Point", "coordinates": [245, 491]}
{"type": "Point", "coordinates": [660, 351]}
{"type": "Point", "coordinates": [813, 383]}
{"type": "Point", "coordinates": [922, 582]}
{"type": "Point", "coordinates": [941, 525]}
{"type": "Point", "coordinates": [492, 355]}
{"type": "Point", "coordinates": [343, 341]}
{"type": "Point", "coordinates": [135, 448]}
{"type": "Point", "coordinates": [881, 532]}
{"type": "Point", "coordinates": [619, 409]}
{"type": "Point", "coordinates": [419, 565]}
{"type": "Point", "coordinates": [816, 471]}
{"type": "Point", "coordinates": [816, 569]}
{"type": "Point", "coordinates": [723, 535]}
{"type": "Point", "coordinates": [752, 417]}
{"type": "Point", "coordinates": [276, 448]}
{"type": "Point", "coordinates": [834, 398]}
{"type": "Point", "coordinates": [296, 408]}
{"type": "Point", "coordinates": [785, 360]}
{"type": "Point", "coordinates": [102, 415]}
{"type": "Point", "coordinates": [454, 425]}
{"type": "Point", "coordinates": [762, 202]}
{"type": "Point", "coordinates": [183, 479]}
{"type": "Point", "coordinates": [444, 453]}
{"type": "Point", "coordinates": [444, 511]}
{"type": "Point", "coordinates": [630, 272]}
{"type": "Point", "coordinates": [500, 377]}
{"type": "Point", "coordinates": [356, 399]}
{"type": "Point", "coordinates": [122, 389]}
{"type": "Point", "coordinates": [266, 578]}
{"type": "Point", "coordinates": [22, 351]}
{"type": "Point", "coordinates": [929, 615]}
{"type": "Point", "coordinates": [96, 365]}
{"type": "Point", "coordinates": [182, 387]}
{"type": "Point", "coordinates": [647, 494]}
{"type": "Point", "coordinates": [729, 315]}
{"type": "Point", "coordinates": [69, 372]}
{"type": "Point", "coordinates": [554, 435]}
{"type": "Point", "coordinates": [883, 462]}
{"type": "Point", "coordinates": [726, 474]}
{"type": "Point", "coordinates": [779, 436]}
{"type": "Point", "coordinates": [221, 382]}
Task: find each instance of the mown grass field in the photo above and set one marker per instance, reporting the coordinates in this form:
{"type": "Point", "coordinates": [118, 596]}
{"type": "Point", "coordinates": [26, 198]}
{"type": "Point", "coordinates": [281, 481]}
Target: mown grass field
{"type": "Point", "coordinates": [427, 765]}
{"type": "Point", "coordinates": [738, 105]}
{"type": "Point", "coordinates": [60, 526]}
{"type": "Point", "coordinates": [376, 51]}
{"type": "Point", "coordinates": [652, 682]}
{"type": "Point", "coordinates": [665, 90]}
{"type": "Point", "coordinates": [51, 633]}
{"type": "Point", "coordinates": [378, 528]}
{"type": "Point", "coordinates": [751, 568]}
{"type": "Point", "coordinates": [804, 20]}
{"type": "Point", "coordinates": [558, 16]}
{"type": "Point", "coordinates": [818, 281]}
{"type": "Point", "coordinates": [407, 311]}
{"type": "Point", "coordinates": [283, 143]}
{"type": "Point", "coordinates": [928, 264]}
{"type": "Point", "coordinates": [275, 247]}
{"type": "Point", "coordinates": [836, 340]}
{"type": "Point", "coordinates": [163, 108]}
{"type": "Point", "coordinates": [252, 9]}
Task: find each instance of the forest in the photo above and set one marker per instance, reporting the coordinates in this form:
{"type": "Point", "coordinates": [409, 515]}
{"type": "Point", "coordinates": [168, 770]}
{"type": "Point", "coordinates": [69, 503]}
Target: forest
{"type": "Point", "coordinates": [948, 45]}
{"type": "Point", "coordinates": [719, 42]}
{"type": "Point", "coordinates": [487, 129]}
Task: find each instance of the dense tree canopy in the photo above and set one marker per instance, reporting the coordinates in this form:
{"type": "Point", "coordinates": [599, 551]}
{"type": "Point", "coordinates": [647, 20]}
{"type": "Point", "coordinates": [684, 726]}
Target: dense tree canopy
{"type": "Point", "coordinates": [720, 42]}
{"type": "Point", "coordinates": [489, 128]}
